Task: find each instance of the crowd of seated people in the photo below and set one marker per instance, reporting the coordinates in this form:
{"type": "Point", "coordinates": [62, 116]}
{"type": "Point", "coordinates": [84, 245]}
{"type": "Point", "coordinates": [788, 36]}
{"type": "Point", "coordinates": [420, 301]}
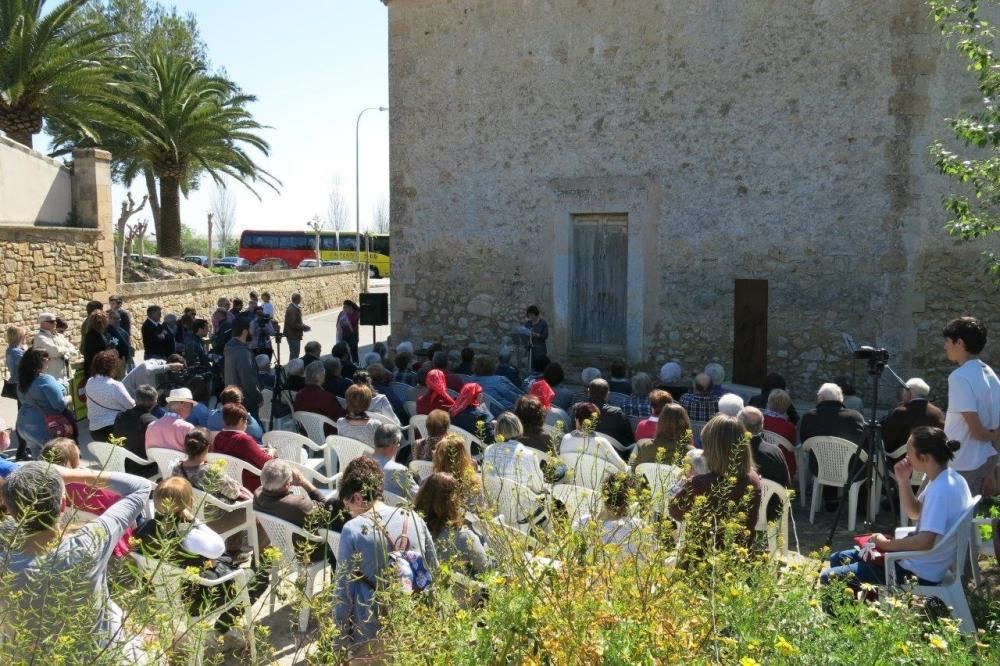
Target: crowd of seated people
{"type": "Point", "coordinates": [518, 426]}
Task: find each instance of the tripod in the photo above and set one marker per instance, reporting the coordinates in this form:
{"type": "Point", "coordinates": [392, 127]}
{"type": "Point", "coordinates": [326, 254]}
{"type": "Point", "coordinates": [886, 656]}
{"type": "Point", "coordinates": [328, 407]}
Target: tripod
{"type": "Point", "coordinates": [279, 380]}
{"type": "Point", "coordinates": [874, 447]}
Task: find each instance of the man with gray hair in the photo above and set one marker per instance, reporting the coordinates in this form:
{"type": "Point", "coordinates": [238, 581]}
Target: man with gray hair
{"type": "Point", "coordinates": [132, 423]}
{"type": "Point", "coordinates": [830, 418]}
{"type": "Point", "coordinates": [335, 381]}
{"type": "Point", "coordinates": [718, 375]}
{"type": "Point", "coordinates": [398, 479]}
{"type": "Point", "coordinates": [313, 398]}
{"type": "Point", "coordinates": [767, 457]}
{"type": "Point", "coordinates": [587, 375]}
{"type": "Point", "coordinates": [276, 498]}
{"type": "Point", "coordinates": [914, 410]}
{"type": "Point", "coordinates": [42, 557]}
{"type": "Point", "coordinates": [701, 403]}
{"type": "Point", "coordinates": [611, 422]}
{"type": "Point", "coordinates": [730, 404]}
{"type": "Point", "coordinates": [638, 402]}
{"type": "Point", "coordinates": [313, 349]}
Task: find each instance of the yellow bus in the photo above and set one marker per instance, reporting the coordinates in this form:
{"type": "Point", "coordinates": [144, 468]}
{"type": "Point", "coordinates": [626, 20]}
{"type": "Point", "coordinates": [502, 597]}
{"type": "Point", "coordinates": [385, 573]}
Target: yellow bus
{"type": "Point", "coordinates": [374, 250]}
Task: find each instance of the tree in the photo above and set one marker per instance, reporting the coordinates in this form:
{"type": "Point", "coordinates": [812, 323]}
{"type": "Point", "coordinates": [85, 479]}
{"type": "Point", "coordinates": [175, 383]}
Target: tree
{"type": "Point", "coordinates": [380, 215]}
{"type": "Point", "coordinates": [223, 215]}
{"type": "Point", "coordinates": [128, 210]}
{"type": "Point", "coordinates": [338, 211]}
{"type": "Point", "coordinates": [317, 227]}
{"type": "Point", "coordinates": [52, 67]}
{"type": "Point", "coordinates": [180, 123]}
{"type": "Point", "coordinates": [974, 211]}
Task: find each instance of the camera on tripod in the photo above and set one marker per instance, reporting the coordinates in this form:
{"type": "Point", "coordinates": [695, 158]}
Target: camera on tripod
{"type": "Point", "coordinates": [872, 354]}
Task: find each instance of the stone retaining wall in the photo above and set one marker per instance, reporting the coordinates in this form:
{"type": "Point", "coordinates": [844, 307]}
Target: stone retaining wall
{"type": "Point", "coordinates": [321, 289]}
{"type": "Point", "coordinates": [55, 269]}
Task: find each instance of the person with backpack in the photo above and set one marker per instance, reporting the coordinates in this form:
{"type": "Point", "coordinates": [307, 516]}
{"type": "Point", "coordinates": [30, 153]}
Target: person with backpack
{"type": "Point", "coordinates": [380, 546]}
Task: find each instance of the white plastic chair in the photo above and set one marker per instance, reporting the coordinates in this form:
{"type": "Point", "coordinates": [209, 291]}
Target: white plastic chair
{"type": "Point", "coordinates": [661, 479]}
{"type": "Point", "coordinates": [346, 450]}
{"type": "Point", "coordinates": [342, 401]}
{"type": "Point", "coordinates": [203, 501]}
{"type": "Point", "coordinates": [801, 466]}
{"type": "Point", "coordinates": [833, 457]}
{"type": "Point", "coordinates": [112, 458]}
{"type": "Point", "coordinates": [164, 459]}
{"type": "Point", "coordinates": [950, 589]}
{"type": "Point", "coordinates": [514, 503]}
{"type": "Point", "coordinates": [422, 468]}
{"type": "Point", "coordinates": [615, 444]}
{"type": "Point", "coordinates": [418, 427]}
{"type": "Point", "coordinates": [234, 466]}
{"type": "Point", "coordinates": [296, 448]}
{"type": "Point", "coordinates": [383, 418]}
{"type": "Point", "coordinates": [169, 583]}
{"type": "Point", "coordinates": [411, 408]}
{"type": "Point", "coordinates": [777, 534]}
{"type": "Point", "coordinates": [587, 470]}
{"type": "Point", "coordinates": [315, 477]}
{"type": "Point", "coordinates": [282, 535]}
{"type": "Point", "coordinates": [469, 438]}
{"type": "Point", "coordinates": [313, 425]}
{"type": "Point", "coordinates": [579, 501]}
{"type": "Point", "coordinates": [266, 395]}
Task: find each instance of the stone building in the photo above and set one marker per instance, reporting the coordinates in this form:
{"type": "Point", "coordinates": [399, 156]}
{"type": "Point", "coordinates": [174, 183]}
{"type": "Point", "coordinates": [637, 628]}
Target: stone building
{"type": "Point", "coordinates": [728, 181]}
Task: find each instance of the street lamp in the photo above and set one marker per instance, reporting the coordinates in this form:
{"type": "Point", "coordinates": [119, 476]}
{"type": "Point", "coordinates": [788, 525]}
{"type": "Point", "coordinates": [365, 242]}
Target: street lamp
{"type": "Point", "coordinates": [357, 189]}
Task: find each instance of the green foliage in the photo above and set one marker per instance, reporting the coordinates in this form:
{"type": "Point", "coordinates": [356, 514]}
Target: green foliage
{"type": "Point", "coordinates": [52, 66]}
{"type": "Point", "coordinates": [219, 270]}
{"type": "Point", "coordinates": [973, 209]}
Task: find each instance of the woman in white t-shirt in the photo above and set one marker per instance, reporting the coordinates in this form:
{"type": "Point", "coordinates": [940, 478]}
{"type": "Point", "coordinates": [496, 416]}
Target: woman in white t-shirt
{"type": "Point", "coordinates": [510, 459]}
{"type": "Point", "coordinates": [942, 501]}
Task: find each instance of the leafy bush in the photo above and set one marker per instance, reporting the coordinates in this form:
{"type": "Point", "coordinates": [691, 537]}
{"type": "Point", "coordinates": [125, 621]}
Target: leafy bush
{"type": "Point", "coordinates": [220, 270]}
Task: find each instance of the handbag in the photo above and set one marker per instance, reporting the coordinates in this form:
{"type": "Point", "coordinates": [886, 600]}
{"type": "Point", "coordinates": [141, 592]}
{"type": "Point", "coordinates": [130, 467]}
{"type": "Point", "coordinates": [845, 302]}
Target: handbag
{"type": "Point", "coordinates": [58, 425]}
{"type": "Point", "coordinates": [9, 390]}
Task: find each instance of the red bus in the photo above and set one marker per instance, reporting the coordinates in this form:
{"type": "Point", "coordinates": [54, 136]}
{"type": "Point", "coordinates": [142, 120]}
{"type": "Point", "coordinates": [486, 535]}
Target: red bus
{"type": "Point", "coordinates": [292, 246]}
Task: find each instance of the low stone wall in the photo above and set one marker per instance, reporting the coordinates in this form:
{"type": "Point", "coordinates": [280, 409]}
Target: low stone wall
{"type": "Point", "coordinates": [33, 188]}
{"type": "Point", "coordinates": [55, 269]}
{"type": "Point", "coordinates": [321, 289]}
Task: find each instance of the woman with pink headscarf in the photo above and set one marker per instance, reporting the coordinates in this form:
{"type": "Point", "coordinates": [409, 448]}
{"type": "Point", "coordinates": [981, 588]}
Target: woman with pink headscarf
{"type": "Point", "coordinates": [436, 396]}
{"type": "Point", "coordinates": [469, 414]}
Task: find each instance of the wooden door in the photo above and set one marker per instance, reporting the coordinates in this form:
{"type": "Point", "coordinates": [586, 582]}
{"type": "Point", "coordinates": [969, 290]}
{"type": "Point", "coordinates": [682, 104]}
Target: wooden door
{"type": "Point", "coordinates": [599, 284]}
{"type": "Point", "coordinates": [750, 339]}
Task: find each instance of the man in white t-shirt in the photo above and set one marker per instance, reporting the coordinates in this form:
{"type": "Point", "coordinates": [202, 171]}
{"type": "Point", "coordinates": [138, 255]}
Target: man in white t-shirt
{"type": "Point", "coordinates": [973, 415]}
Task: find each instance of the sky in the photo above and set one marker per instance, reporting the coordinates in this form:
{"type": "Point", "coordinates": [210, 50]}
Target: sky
{"type": "Point", "coordinates": [313, 65]}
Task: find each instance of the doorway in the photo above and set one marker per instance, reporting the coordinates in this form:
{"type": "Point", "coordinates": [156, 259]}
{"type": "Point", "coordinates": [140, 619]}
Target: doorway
{"type": "Point", "coordinates": [750, 332]}
{"type": "Point", "coordinates": [599, 284]}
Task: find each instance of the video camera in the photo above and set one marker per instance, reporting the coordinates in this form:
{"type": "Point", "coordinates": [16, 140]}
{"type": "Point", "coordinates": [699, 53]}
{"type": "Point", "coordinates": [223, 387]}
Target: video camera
{"type": "Point", "coordinates": [872, 354]}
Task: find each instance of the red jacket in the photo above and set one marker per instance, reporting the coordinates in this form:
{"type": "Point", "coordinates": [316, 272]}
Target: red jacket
{"type": "Point", "coordinates": [315, 399]}
{"type": "Point", "coordinates": [241, 445]}
{"type": "Point", "coordinates": [786, 429]}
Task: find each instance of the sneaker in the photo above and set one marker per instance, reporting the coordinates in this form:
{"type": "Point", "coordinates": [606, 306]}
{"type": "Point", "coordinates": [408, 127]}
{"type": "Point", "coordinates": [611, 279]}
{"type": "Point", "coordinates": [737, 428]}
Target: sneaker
{"type": "Point", "coordinates": [241, 557]}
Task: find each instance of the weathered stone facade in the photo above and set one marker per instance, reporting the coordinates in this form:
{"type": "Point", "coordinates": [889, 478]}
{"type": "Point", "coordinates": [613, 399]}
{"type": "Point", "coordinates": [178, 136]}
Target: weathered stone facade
{"type": "Point", "coordinates": [784, 141]}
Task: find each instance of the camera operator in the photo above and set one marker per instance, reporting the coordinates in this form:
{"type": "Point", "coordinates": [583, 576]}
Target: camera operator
{"type": "Point", "coordinates": [153, 371]}
{"type": "Point", "coordinates": [261, 330]}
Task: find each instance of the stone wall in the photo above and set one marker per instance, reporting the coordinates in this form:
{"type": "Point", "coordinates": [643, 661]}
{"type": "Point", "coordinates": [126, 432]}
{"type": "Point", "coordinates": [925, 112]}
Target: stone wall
{"type": "Point", "coordinates": [321, 289]}
{"type": "Point", "coordinates": [33, 188]}
{"type": "Point", "coordinates": [784, 141]}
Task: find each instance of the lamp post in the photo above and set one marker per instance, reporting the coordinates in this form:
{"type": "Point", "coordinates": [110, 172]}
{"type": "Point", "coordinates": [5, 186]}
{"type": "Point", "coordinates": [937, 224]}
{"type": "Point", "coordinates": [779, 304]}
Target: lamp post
{"type": "Point", "coordinates": [357, 191]}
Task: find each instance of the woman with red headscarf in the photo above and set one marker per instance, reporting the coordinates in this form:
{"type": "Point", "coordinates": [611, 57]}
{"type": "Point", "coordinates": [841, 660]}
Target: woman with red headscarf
{"type": "Point", "coordinates": [469, 414]}
{"type": "Point", "coordinates": [436, 396]}
{"type": "Point", "coordinates": [541, 390]}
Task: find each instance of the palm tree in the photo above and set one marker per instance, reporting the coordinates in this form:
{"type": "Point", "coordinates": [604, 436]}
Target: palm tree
{"type": "Point", "coordinates": [51, 67]}
{"type": "Point", "coordinates": [172, 119]}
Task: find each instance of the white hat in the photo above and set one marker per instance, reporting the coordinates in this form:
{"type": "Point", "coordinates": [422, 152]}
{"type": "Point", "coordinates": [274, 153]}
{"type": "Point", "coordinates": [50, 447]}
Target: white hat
{"type": "Point", "coordinates": [46, 316]}
{"type": "Point", "coordinates": [181, 395]}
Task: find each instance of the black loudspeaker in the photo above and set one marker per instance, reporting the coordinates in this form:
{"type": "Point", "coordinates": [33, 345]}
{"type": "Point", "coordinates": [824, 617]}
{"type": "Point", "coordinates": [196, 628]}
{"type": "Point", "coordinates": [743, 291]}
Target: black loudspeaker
{"type": "Point", "coordinates": [374, 309]}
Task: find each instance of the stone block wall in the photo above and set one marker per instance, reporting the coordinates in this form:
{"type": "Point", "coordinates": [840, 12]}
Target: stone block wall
{"type": "Point", "coordinates": [777, 141]}
{"type": "Point", "coordinates": [321, 289]}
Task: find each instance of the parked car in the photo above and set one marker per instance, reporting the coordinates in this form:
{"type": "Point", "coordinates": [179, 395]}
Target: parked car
{"type": "Point", "coordinates": [236, 263]}
{"type": "Point", "coordinates": [199, 259]}
{"type": "Point", "coordinates": [336, 262]}
{"type": "Point", "coordinates": [270, 264]}
{"type": "Point", "coordinates": [309, 263]}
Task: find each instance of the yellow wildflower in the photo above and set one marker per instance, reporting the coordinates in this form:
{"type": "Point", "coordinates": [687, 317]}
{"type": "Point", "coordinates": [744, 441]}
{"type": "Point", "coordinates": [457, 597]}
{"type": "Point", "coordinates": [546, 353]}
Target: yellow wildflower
{"type": "Point", "coordinates": [938, 643]}
{"type": "Point", "coordinates": [784, 647]}
{"type": "Point", "coordinates": [903, 648]}
{"type": "Point", "coordinates": [749, 661]}
{"type": "Point", "coordinates": [500, 439]}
